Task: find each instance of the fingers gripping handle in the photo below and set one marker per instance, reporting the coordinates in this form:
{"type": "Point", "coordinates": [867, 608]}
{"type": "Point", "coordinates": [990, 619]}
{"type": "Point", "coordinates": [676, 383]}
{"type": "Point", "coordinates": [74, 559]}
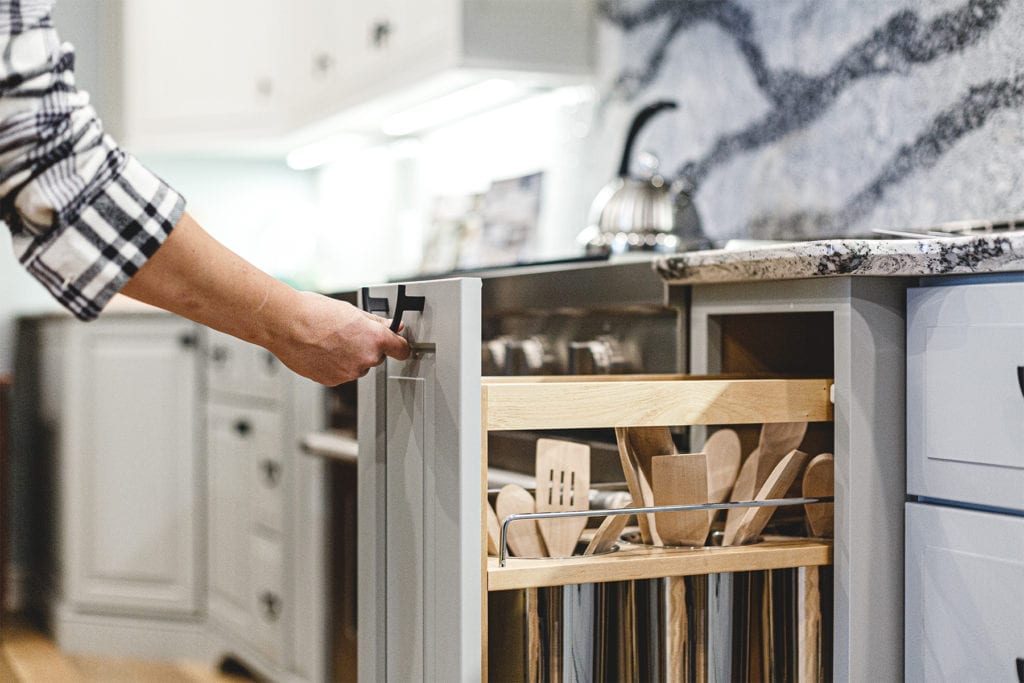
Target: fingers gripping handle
{"type": "Point", "coordinates": [403, 302]}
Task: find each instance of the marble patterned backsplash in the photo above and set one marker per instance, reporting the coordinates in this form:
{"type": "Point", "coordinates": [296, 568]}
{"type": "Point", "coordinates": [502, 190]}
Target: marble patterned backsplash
{"type": "Point", "coordinates": [801, 119]}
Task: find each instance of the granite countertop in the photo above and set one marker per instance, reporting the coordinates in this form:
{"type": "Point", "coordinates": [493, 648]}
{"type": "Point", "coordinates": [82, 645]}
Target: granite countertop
{"type": "Point", "coordinates": [990, 253]}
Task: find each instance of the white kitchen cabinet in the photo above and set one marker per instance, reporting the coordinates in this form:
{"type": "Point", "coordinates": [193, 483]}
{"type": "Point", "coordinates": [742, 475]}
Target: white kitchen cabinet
{"type": "Point", "coordinates": [251, 74]}
{"type": "Point", "coordinates": [965, 595]}
{"type": "Point", "coordinates": [965, 393]}
{"type": "Point", "coordinates": [395, 54]}
{"type": "Point", "coordinates": [266, 522]}
{"type": "Point", "coordinates": [204, 73]}
{"type": "Point", "coordinates": [128, 466]}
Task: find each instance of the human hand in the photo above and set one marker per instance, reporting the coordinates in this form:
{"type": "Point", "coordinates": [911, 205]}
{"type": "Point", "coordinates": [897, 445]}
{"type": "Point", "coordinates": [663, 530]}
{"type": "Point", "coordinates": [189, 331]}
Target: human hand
{"type": "Point", "coordinates": [332, 342]}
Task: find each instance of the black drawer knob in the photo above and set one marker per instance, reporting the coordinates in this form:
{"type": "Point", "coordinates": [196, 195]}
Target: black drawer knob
{"type": "Point", "coordinates": [271, 606]}
{"type": "Point", "coordinates": [243, 427]}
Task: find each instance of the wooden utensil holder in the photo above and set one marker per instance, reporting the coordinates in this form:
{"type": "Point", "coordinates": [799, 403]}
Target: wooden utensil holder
{"type": "Point", "coordinates": [574, 402]}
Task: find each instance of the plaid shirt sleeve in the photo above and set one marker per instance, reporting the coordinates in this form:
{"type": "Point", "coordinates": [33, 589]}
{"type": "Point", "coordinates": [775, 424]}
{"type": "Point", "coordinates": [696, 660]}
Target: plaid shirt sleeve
{"type": "Point", "coordinates": [84, 215]}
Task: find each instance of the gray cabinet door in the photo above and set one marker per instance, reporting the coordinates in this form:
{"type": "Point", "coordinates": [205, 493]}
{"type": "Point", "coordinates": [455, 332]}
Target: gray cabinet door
{"type": "Point", "coordinates": [965, 594]}
{"type": "Point", "coordinates": [420, 495]}
{"type": "Point", "coordinates": [965, 393]}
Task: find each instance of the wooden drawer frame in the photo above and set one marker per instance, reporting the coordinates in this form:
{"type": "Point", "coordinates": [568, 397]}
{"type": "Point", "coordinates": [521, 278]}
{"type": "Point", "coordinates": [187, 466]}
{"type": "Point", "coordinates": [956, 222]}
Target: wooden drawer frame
{"type": "Point", "coordinates": [540, 403]}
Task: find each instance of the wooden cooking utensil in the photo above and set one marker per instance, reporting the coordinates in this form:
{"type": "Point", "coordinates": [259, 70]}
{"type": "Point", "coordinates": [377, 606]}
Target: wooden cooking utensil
{"type": "Point", "coordinates": [524, 537]}
{"type": "Point", "coordinates": [776, 441]}
{"type": "Point", "coordinates": [606, 534]}
{"type": "Point", "coordinates": [819, 481]}
{"type": "Point", "coordinates": [754, 519]}
{"type": "Point", "coordinates": [742, 490]}
{"type": "Point", "coordinates": [723, 453]}
{"type": "Point", "coordinates": [493, 531]}
{"type": "Point", "coordinates": [639, 488]}
{"type": "Point", "coordinates": [563, 484]}
{"type": "Point", "coordinates": [681, 480]}
{"type": "Point", "coordinates": [648, 442]}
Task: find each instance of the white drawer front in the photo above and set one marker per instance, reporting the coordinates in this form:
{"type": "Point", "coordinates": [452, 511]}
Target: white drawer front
{"type": "Point", "coordinates": [964, 594]}
{"type": "Point", "coordinates": [965, 402]}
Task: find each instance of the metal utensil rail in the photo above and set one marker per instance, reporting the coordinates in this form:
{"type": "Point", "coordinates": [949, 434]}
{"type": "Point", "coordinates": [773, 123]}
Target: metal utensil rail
{"type": "Point", "coordinates": [776, 502]}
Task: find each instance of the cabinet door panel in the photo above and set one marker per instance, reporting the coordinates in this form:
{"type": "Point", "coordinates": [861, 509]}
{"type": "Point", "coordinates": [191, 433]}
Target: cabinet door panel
{"type": "Point", "coordinates": [130, 453]}
{"type": "Point", "coordinates": [229, 529]}
{"type": "Point", "coordinates": [965, 594]}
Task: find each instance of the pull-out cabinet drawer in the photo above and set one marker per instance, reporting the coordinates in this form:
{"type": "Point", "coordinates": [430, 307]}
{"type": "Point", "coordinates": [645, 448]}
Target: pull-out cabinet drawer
{"type": "Point", "coordinates": [965, 393]}
{"type": "Point", "coordinates": [424, 571]}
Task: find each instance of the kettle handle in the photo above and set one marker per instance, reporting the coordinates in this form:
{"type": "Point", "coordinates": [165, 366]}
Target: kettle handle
{"type": "Point", "coordinates": [639, 121]}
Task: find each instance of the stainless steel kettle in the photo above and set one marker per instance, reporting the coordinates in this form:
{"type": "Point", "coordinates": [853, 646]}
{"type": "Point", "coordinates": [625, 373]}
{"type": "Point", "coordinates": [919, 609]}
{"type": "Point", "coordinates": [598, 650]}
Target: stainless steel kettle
{"type": "Point", "coordinates": [642, 214]}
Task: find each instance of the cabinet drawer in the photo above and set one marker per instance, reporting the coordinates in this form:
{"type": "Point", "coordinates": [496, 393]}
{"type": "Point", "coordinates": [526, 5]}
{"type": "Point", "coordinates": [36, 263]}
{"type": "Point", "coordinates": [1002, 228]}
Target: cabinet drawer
{"type": "Point", "coordinates": [268, 598]}
{"type": "Point", "coordinates": [964, 594]}
{"type": "Point", "coordinates": [236, 368]}
{"type": "Point", "coordinates": [965, 393]}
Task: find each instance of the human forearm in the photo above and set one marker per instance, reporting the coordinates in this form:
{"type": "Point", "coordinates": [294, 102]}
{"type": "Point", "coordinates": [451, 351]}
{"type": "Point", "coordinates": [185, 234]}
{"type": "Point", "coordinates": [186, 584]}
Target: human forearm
{"type": "Point", "coordinates": [196, 277]}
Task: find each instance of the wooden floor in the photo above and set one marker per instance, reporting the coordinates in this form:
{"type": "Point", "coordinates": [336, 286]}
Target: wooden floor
{"type": "Point", "coordinates": [27, 656]}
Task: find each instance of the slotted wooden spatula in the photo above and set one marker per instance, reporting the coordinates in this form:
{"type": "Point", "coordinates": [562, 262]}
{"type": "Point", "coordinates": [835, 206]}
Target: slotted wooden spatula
{"type": "Point", "coordinates": [524, 537]}
{"type": "Point", "coordinates": [681, 480]}
{"type": "Point", "coordinates": [819, 481]}
{"type": "Point", "coordinates": [754, 519]}
{"type": "Point", "coordinates": [563, 484]}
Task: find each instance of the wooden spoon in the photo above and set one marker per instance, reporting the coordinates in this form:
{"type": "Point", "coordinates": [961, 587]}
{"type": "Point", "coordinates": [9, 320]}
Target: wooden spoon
{"type": "Point", "coordinates": [754, 519]}
{"type": "Point", "coordinates": [493, 531]}
{"type": "Point", "coordinates": [681, 480]}
{"type": "Point", "coordinates": [607, 534]}
{"type": "Point", "coordinates": [639, 489]}
{"type": "Point", "coordinates": [819, 481]}
{"type": "Point", "coordinates": [563, 484]}
{"type": "Point", "coordinates": [523, 536]}
{"type": "Point", "coordinates": [723, 453]}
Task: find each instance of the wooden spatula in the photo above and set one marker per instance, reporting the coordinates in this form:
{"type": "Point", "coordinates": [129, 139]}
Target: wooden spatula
{"type": "Point", "coordinates": [639, 488]}
{"type": "Point", "coordinates": [563, 484]}
{"type": "Point", "coordinates": [648, 442]}
{"type": "Point", "coordinates": [743, 489]}
{"type": "Point", "coordinates": [754, 519]}
{"type": "Point", "coordinates": [681, 480]}
{"type": "Point", "coordinates": [493, 531]}
{"type": "Point", "coordinates": [776, 441]}
{"type": "Point", "coordinates": [523, 537]}
{"type": "Point", "coordinates": [723, 453]}
{"type": "Point", "coordinates": [607, 534]}
{"type": "Point", "coordinates": [819, 481]}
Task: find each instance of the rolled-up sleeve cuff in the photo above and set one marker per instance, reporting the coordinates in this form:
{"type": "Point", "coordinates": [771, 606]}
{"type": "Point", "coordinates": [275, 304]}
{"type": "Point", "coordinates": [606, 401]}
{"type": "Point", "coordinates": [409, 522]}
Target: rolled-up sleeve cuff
{"type": "Point", "coordinates": [87, 260]}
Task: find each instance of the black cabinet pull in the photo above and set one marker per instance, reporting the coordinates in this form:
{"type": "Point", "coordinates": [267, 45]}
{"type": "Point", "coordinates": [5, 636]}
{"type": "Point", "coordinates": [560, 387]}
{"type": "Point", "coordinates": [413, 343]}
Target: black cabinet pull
{"type": "Point", "coordinates": [403, 302]}
{"type": "Point", "coordinates": [1020, 383]}
{"type": "Point", "coordinates": [1020, 662]}
{"type": "Point", "coordinates": [271, 472]}
{"type": "Point", "coordinates": [243, 427]}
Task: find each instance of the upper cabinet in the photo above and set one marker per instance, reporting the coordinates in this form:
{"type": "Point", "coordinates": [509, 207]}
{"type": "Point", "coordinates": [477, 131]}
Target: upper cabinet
{"type": "Point", "coordinates": [213, 75]}
{"type": "Point", "coordinates": [204, 73]}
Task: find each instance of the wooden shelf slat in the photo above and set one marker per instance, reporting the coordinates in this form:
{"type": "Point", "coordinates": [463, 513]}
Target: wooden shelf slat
{"type": "Point", "coordinates": [544, 404]}
{"type": "Point", "coordinates": [637, 562]}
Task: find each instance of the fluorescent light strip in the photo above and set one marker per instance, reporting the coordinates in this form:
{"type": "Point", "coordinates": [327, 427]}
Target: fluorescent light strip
{"type": "Point", "coordinates": [472, 99]}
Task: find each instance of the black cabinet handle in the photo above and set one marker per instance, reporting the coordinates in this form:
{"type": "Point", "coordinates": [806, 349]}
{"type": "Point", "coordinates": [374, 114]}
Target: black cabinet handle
{"type": "Point", "coordinates": [403, 303]}
{"type": "Point", "coordinates": [243, 427]}
{"type": "Point", "coordinates": [1020, 383]}
{"type": "Point", "coordinates": [1020, 669]}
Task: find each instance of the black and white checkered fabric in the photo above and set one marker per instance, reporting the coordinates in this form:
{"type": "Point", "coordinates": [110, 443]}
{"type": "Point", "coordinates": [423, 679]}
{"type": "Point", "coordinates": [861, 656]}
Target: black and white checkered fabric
{"type": "Point", "coordinates": [83, 214]}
